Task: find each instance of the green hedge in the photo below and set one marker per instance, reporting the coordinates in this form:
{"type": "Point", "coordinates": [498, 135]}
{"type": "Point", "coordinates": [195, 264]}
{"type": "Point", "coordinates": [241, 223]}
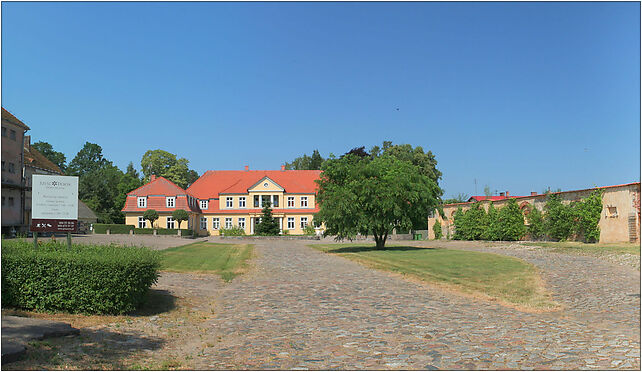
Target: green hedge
{"type": "Point", "coordinates": [184, 232]}
{"type": "Point", "coordinates": [101, 228]}
{"type": "Point", "coordinates": [138, 231]}
{"type": "Point", "coordinates": [91, 279]}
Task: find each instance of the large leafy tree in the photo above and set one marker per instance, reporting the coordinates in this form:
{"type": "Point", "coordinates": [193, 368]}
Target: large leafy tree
{"type": "Point", "coordinates": [55, 157]}
{"type": "Point", "coordinates": [89, 158]}
{"type": "Point", "coordinates": [306, 162]}
{"type": "Point", "coordinates": [359, 195]}
{"type": "Point", "coordinates": [101, 190]}
{"type": "Point", "coordinates": [424, 161]}
{"type": "Point", "coordinates": [511, 220]}
{"type": "Point", "coordinates": [165, 164]}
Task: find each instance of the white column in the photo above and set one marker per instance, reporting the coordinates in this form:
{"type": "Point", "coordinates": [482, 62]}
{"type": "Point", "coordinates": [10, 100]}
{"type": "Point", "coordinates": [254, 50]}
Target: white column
{"type": "Point", "coordinates": [251, 225]}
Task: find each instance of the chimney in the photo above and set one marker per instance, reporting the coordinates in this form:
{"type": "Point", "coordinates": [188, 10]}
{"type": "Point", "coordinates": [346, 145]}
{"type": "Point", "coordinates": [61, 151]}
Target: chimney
{"type": "Point", "coordinates": [153, 178]}
{"type": "Point", "coordinates": [507, 194]}
{"type": "Point", "coordinates": [283, 168]}
{"type": "Point", "coordinates": [27, 142]}
{"type": "Point", "coordinates": [501, 194]}
{"type": "Point", "coordinates": [247, 168]}
{"type": "Point", "coordinates": [533, 193]}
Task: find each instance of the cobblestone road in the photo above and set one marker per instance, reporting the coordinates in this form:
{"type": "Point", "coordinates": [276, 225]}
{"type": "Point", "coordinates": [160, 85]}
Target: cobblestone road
{"type": "Point", "coordinates": [303, 309]}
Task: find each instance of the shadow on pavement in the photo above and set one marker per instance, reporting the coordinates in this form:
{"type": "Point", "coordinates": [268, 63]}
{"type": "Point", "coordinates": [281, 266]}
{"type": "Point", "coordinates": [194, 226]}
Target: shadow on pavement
{"type": "Point", "coordinates": [372, 248]}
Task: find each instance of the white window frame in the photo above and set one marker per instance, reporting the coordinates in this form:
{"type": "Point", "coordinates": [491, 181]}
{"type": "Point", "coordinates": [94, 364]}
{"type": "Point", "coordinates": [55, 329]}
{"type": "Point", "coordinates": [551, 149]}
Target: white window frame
{"type": "Point", "coordinates": [142, 202]}
{"type": "Point", "coordinates": [142, 222]}
{"type": "Point", "coordinates": [169, 220]}
{"type": "Point", "coordinates": [290, 223]}
{"type": "Point", "coordinates": [203, 223]}
{"type": "Point", "coordinates": [228, 222]}
{"type": "Point", "coordinates": [229, 202]}
{"type": "Point", "coordinates": [170, 201]}
{"type": "Point", "coordinates": [216, 223]}
{"type": "Point", "coordinates": [242, 222]}
{"type": "Point", "coordinates": [291, 202]}
{"type": "Point", "coordinates": [204, 204]}
{"type": "Point", "coordinates": [304, 199]}
{"type": "Point", "coordinates": [304, 222]}
{"type": "Point", "coordinates": [242, 202]}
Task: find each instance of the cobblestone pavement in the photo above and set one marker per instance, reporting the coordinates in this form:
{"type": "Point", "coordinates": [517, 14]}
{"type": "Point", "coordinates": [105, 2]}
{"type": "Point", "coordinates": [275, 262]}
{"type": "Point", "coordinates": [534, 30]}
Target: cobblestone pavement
{"type": "Point", "coordinates": [303, 309]}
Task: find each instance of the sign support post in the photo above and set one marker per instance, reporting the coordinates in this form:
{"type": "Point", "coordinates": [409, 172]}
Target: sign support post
{"type": "Point", "coordinates": [69, 240]}
{"type": "Point", "coordinates": [35, 240]}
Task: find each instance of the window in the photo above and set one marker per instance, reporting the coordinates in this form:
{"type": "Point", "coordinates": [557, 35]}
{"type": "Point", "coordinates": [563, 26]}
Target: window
{"type": "Point", "coordinates": [290, 223]}
{"type": "Point", "coordinates": [203, 223]}
{"type": "Point", "coordinates": [204, 204]}
{"type": "Point", "coordinates": [611, 211]}
{"type": "Point", "coordinates": [304, 222]}
{"type": "Point", "coordinates": [228, 222]}
{"type": "Point", "coordinates": [304, 202]}
{"type": "Point", "coordinates": [3, 165]}
{"type": "Point", "coordinates": [142, 223]}
{"type": "Point", "coordinates": [241, 201]}
{"type": "Point", "coordinates": [142, 202]}
{"type": "Point", "coordinates": [290, 201]}
{"type": "Point", "coordinates": [12, 168]}
{"type": "Point", "coordinates": [242, 222]}
{"type": "Point", "coordinates": [170, 223]}
{"type": "Point", "coordinates": [170, 201]}
{"type": "Point", "coordinates": [276, 201]}
{"type": "Point", "coordinates": [4, 131]}
{"type": "Point", "coordinates": [256, 200]}
{"type": "Point", "coordinates": [264, 199]}
{"type": "Point", "coordinates": [12, 135]}
{"type": "Point", "coordinates": [216, 224]}
{"type": "Point", "coordinates": [228, 202]}
{"type": "Point", "coordinates": [11, 201]}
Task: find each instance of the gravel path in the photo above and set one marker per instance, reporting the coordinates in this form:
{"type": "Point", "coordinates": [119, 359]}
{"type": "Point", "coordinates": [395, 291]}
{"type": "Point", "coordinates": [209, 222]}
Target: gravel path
{"type": "Point", "coordinates": [303, 309]}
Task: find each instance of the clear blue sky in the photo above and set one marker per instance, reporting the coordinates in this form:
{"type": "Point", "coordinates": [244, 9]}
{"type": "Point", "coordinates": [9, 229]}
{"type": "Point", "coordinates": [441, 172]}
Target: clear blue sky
{"type": "Point", "coordinates": [519, 96]}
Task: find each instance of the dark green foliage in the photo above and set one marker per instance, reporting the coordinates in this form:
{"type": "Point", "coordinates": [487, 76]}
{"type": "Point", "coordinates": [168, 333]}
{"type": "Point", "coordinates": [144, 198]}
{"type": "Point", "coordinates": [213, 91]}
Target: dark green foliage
{"type": "Point", "coordinates": [493, 230]}
{"type": "Point", "coordinates": [458, 221]}
{"type": "Point", "coordinates": [180, 215]}
{"type": "Point", "coordinates": [309, 230]}
{"type": "Point", "coordinates": [306, 162]}
{"type": "Point", "coordinates": [90, 279]}
{"type": "Point", "coordinates": [436, 228]}
{"type": "Point", "coordinates": [268, 225]}
{"type": "Point", "coordinates": [184, 232]}
{"type": "Point", "coordinates": [89, 158]}
{"type": "Point", "coordinates": [511, 221]}
{"type": "Point", "coordinates": [48, 152]}
{"type": "Point", "coordinates": [558, 222]}
{"type": "Point", "coordinates": [150, 215]}
{"type": "Point", "coordinates": [535, 224]}
{"type": "Point", "coordinates": [165, 164]}
{"type": "Point", "coordinates": [477, 222]}
{"type": "Point", "coordinates": [587, 217]}
{"type": "Point", "coordinates": [101, 228]}
{"type": "Point", "coordinates": [233, 231]}
{"type": "Point", "coordinates": [460, 198]}
{"type": "Point", "coordinates": [138, 231]}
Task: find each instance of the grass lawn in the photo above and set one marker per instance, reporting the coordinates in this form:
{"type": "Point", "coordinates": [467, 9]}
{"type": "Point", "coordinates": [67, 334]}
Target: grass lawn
{"type": "Point", "coordinates": [591, 249]}
{"type": "Point", "coordinates": [227, 260]}
{"type": "Point", "coordinates": [507, 280]}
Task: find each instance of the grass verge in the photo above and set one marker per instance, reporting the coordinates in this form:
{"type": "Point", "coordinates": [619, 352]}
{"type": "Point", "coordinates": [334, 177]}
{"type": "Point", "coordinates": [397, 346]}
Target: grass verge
{"type": "Point", "coordinates": [590, 249]}
{"type": "Point", "coordinates": [507, 280]}
{"type": "Point", "coordinates": [227, 260]}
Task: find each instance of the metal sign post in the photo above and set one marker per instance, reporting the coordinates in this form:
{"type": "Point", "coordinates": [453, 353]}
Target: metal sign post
{"type": "Point", "coordinates": [54, 201]}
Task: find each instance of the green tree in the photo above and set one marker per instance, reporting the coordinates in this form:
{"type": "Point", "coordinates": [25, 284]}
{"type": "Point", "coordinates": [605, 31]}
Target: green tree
{"type": "Point", "coordinates": [102, 191]}
{"type": "Point", "coordinates": [48, 152]}
{"type": "Point", "coordinates": [89, 158]}
{"type": "Point", "coordinates": [424, 161]}
{"type": "Point", "coordinates": [458, 222]}
{"type": "Point", "coordinates": [436, 228]}
{"type": "Point", "coordinates": [165, 164]}
{"type": "Point", "coordinates": [460, 198]}
{"type": "Point", "coordinates": [493, 230]}
{"type": "Point", "coordinates": [129, 181]}
{"type": "Point", "coordinates": [151, 215]}
{"type": "Point", "coordinates": [511, 221]}
{"type": "Point", "coordinates": [487, 191]}
{"type": "Point", "coordinates": [268, 225]}
{"type": "Point", "coordinates": [535, 223]}
{"type": "Point", "coordinates": [306, 162]}
{"type": "Point", "coordinates": [180, 215]}
{"type": "Point", "coordinates": [558, 219]}
{"type": "Point", "coordinates": [587, 217]}
{"type": "Point", "coordinates": [358, 195]}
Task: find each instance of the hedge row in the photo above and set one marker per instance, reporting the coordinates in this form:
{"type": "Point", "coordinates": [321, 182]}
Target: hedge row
{"type": "Point", "coordinates": [92, 279]}
{"type": "Point", "coordinates": [101, 228]}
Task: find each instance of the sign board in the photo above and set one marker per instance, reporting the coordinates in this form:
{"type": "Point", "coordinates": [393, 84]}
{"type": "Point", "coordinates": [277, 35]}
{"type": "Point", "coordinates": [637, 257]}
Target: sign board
{"type": "Point", "coordinates": [54, 203]}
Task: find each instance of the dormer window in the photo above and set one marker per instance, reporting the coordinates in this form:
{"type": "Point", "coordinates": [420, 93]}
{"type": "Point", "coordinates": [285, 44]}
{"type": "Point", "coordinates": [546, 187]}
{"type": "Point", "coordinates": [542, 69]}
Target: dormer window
{"type": "Point", "coordinates": [170, 201]}
{"type": "Point", "coordinates": [204, 204]}
{"type": "Point", "coordinates": [142, 202]}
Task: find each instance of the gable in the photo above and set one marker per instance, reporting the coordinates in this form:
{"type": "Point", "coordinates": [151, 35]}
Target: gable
{"type": "Point", "coordinates": [265, 184]}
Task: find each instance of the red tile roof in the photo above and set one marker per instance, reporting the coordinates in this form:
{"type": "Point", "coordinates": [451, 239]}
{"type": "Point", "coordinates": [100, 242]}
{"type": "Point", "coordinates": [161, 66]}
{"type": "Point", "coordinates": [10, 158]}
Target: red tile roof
{"type": "Point", "coordinates": [6, 115]}
{"type": "Point", "coordinates": [159, 186]}
{"type": "Point", "coordinates": [212, 183]}
{"type": "Point", "coordinates": [156, 191]}
{"type": "Point", "coordinates": [491, 198]}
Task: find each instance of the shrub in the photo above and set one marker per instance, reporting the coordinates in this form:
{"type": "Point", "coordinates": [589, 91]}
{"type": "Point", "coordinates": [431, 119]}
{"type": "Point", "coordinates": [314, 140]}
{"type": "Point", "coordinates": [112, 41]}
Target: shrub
{"type": "Point", "coordinates": [535, 223]}
{"type": "Point", "coordinates": [268, 225]}
{"type": "Point", "coordinates": [138, 231]}
{"type": "Point", "coordinates": [558, 221]}
{"type": "Point", "coordinates": [459, 233]}
{"type": "Point", "coordinates": [493, 227]}
{"type": "Point", "coordinates": [476, 222]}
{"type": "Point", "coordinates": [101, 228]}
{"type": "Point", "coordinates": [309, 230]}
{"type": "Point", "coordinates": [233, 231]}
{"type": "Point", "coordinates": [151, 215]}
{"type": "Point", "coordinates": [436, 228]}
{"type": "Point", "coordinates": [180, 215]}
{"type": "Point", "coordinates": [91, 279]}
{"type": "Point", "coordinates": [587, 215]}
{"type": "Point", "coordinates": [511, 220]}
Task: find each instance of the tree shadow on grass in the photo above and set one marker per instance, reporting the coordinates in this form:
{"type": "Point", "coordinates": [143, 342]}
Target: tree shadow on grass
{"type": "Point", "coordinates": [372, 248]}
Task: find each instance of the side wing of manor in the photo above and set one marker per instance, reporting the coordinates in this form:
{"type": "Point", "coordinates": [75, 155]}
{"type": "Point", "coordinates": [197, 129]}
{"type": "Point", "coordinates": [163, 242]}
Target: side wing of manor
{"type": "Point", "coordinates": [224, 199]}
{"type": "Point", "coordinates": [619, 222]}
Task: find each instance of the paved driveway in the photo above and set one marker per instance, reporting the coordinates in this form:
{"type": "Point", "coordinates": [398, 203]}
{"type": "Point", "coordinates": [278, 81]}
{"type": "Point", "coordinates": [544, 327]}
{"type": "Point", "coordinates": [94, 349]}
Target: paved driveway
{"type": "Point", "coordinates": [301, 308]}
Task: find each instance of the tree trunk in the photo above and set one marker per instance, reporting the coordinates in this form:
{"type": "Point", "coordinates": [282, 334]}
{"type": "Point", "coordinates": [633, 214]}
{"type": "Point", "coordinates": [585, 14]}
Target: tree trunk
{"type": "Point", "coordinates": [380, 240]}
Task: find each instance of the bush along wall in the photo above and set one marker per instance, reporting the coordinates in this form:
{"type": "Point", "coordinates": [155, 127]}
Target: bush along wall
{"type": "Point", "coordinates": [91, 279]}
{"type": "Point", "coordinates": [101, 228]}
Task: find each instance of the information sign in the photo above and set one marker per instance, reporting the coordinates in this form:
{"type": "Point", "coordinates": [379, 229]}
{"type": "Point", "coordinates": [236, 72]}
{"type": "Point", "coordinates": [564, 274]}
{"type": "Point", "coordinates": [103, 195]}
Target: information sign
{"type": "Point", "coordinates": [54, 203]}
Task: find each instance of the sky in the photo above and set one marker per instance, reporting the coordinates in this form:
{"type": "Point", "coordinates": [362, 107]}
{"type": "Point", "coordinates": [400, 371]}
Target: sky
{"type": "Point", "coordinates": [516, 96]}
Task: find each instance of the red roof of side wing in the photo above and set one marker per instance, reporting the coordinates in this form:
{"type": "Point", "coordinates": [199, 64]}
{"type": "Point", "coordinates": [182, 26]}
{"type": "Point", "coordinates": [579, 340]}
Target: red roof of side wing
{"type": "Point", "coordinates": [213, 183]}
{"type": "Point", "coordinates": [159, 186]}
